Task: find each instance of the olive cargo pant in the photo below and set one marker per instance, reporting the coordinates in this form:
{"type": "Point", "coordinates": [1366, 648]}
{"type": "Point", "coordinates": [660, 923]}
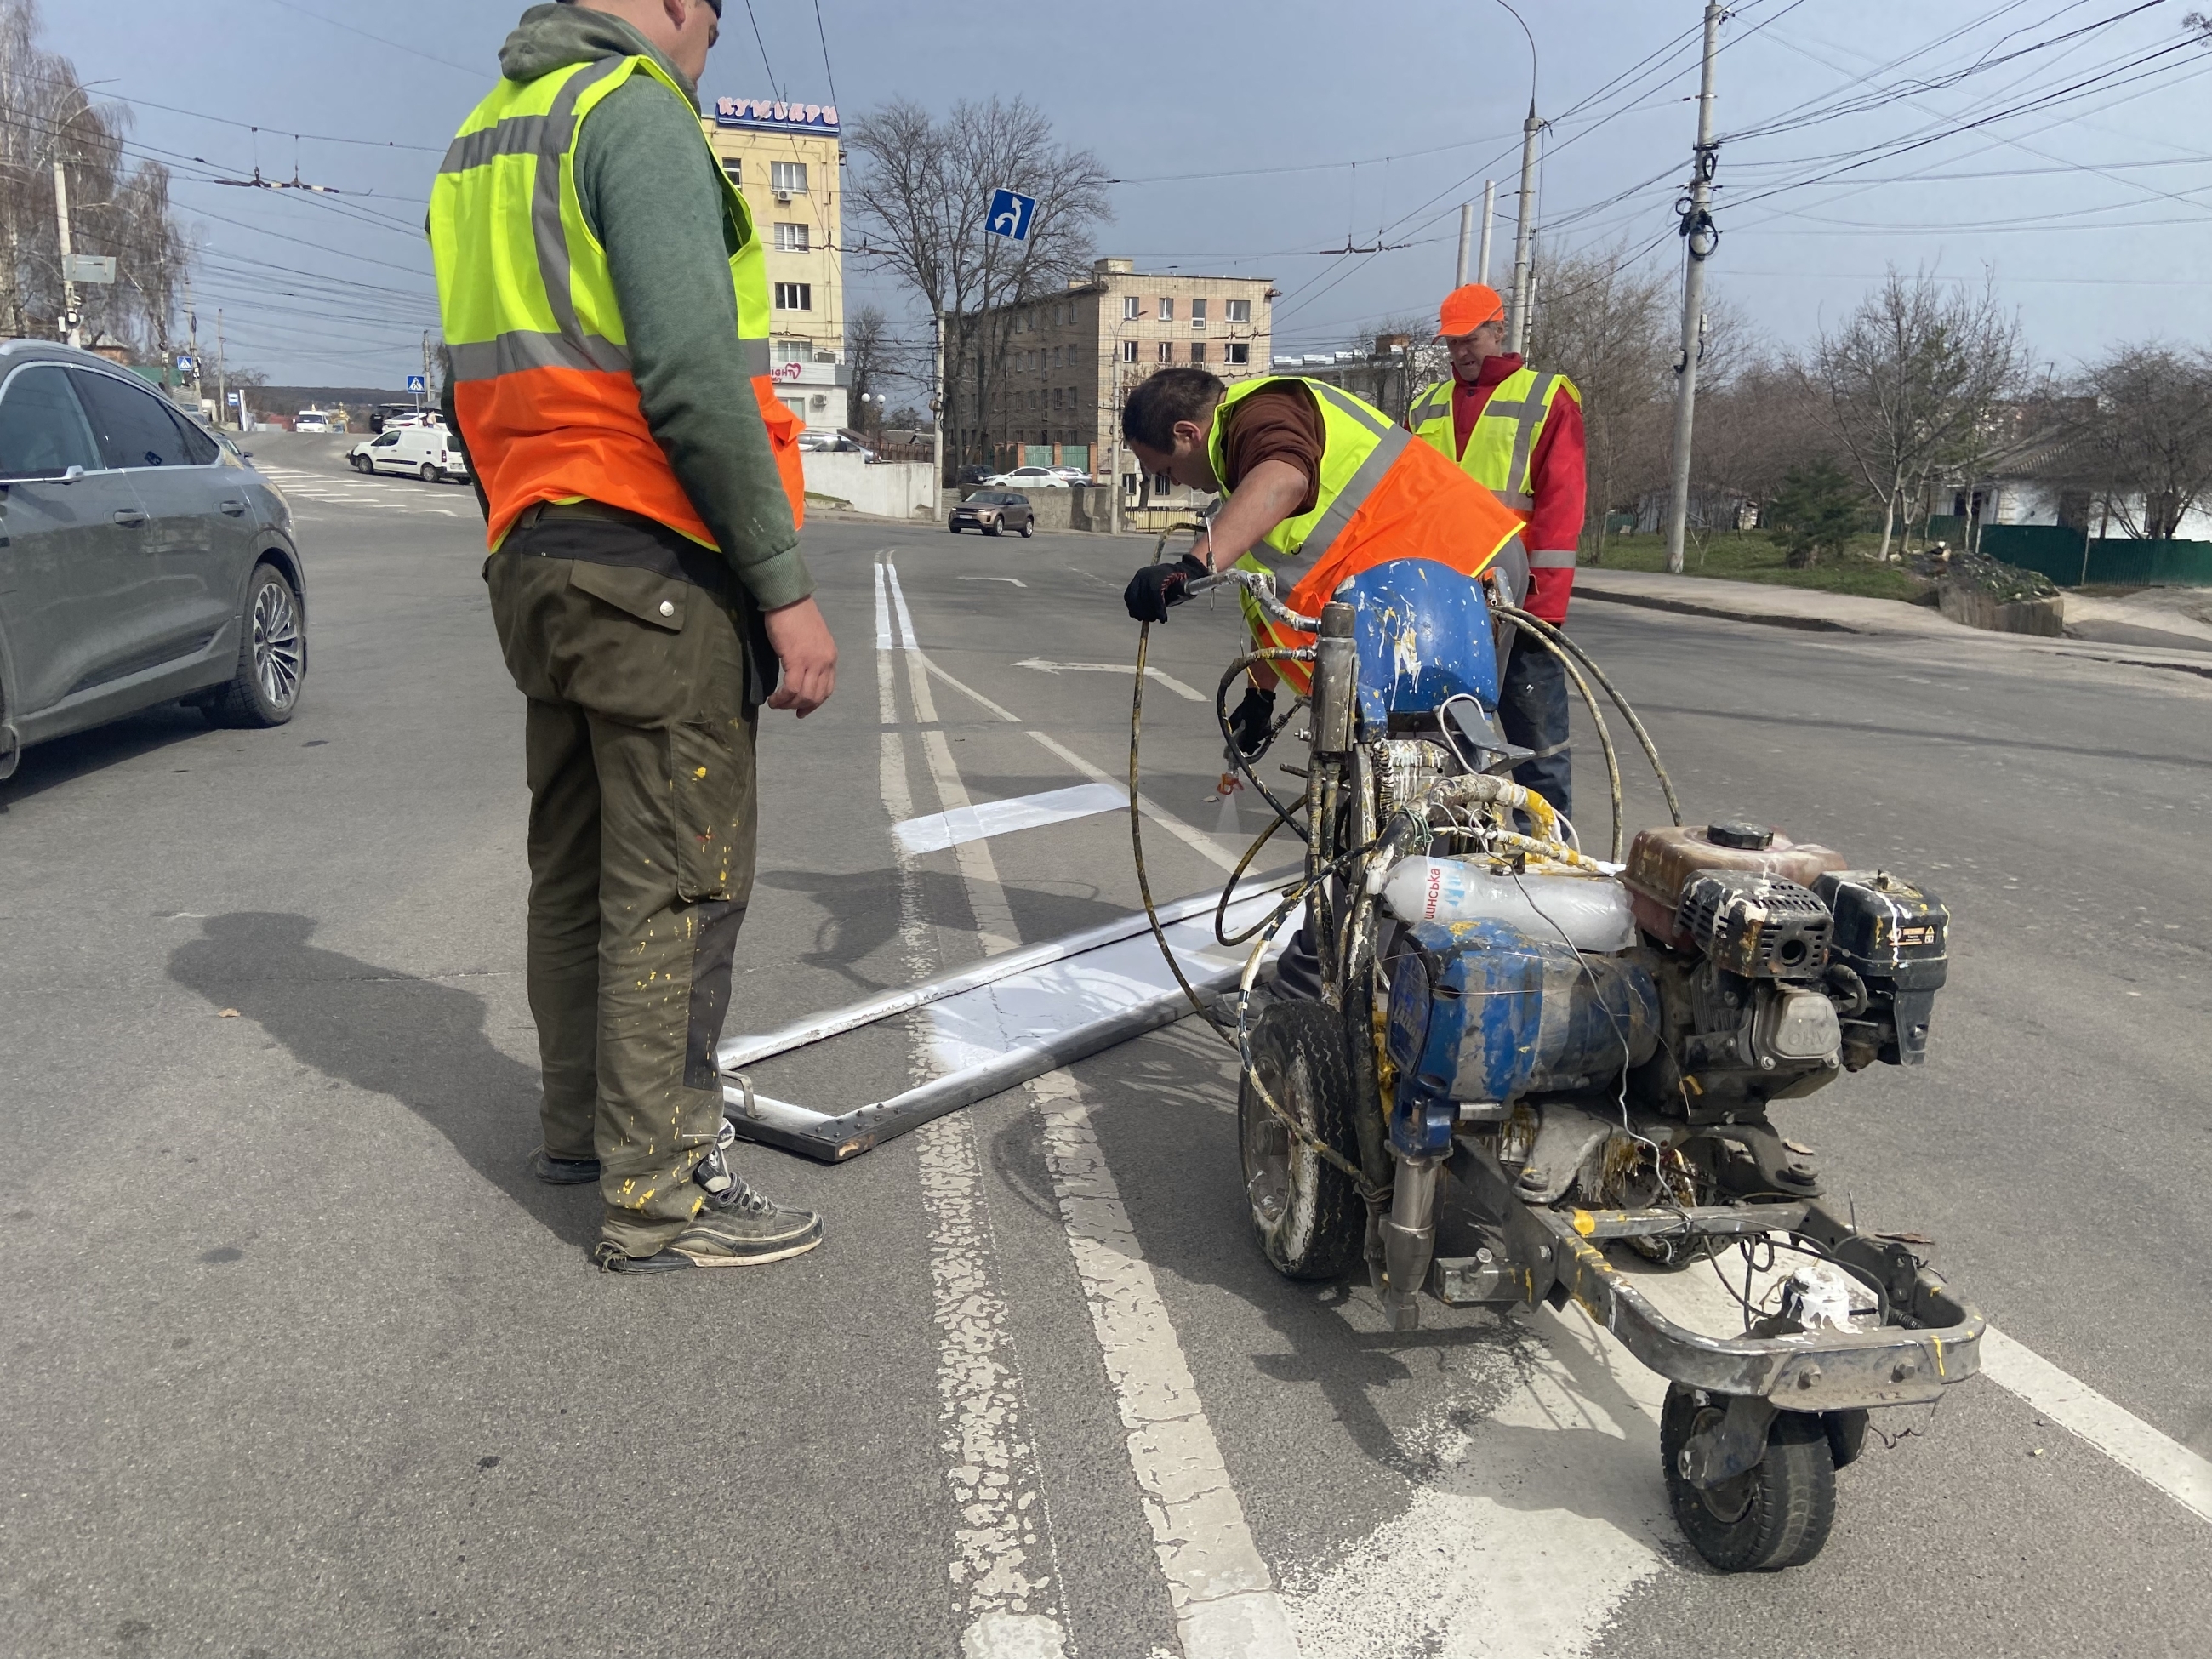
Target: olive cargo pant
{"type": "Point", "coordinates": [639, 753]}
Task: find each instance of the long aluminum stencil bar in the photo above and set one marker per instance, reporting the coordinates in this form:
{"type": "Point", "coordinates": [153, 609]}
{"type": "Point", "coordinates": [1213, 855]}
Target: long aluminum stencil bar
{"type": "Point", "coordinates": [737, 1053]}
{"type": "Point", "coordinates": [1025, 1020]}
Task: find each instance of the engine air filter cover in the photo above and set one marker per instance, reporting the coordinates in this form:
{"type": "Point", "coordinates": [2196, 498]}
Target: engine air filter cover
{"type": "Point", "coordinates": [1757, 926]}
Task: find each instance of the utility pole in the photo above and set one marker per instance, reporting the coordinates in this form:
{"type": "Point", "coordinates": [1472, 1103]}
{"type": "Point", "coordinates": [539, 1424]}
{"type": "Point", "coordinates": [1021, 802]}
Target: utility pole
{"type": "Point", "coordinates": [1489, 212]}
{"type": "Point", "coordinates": [1524, 230]}
{"type": "Point", "coordinates": [1699, 237]}
{"type": "Point", "coordinates": [192, 349]}
{"type": "Point", "coordinates": [70, 330]}
{"type": "Point", "coordinates": [221, 376]}
{"type": "Point", "coordinates": [936, 415]}
{"type": "Point", "coordinates": [1466, 234]}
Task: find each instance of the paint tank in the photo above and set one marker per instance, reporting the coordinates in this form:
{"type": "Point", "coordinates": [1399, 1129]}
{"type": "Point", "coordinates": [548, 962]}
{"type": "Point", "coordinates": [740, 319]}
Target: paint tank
{"type": "Point", "coordinates": [1424, 634]}
{"type": "Point", "coordinates": [1482, 1013]}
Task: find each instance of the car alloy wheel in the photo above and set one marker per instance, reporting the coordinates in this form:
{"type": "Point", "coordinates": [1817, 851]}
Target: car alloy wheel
{"type": "Point", "coordinates": [278, 658]}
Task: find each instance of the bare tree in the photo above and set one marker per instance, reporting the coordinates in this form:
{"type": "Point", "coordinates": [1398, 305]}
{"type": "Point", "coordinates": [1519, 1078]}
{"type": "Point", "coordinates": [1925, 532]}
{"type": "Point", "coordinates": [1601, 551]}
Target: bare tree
{"type": "Point", "coordinates": [1908, 385]}
{"type": "Point", "coordinates": [47, 116]}
{"type": "Point", "coordinates": [921, 192]}
{"type": "Point", "coordinates": [1603, 323]}
{"type": "Point", "coordinates": [2144, 437]}
{"type": "Point", "coordinates": [874, 356]}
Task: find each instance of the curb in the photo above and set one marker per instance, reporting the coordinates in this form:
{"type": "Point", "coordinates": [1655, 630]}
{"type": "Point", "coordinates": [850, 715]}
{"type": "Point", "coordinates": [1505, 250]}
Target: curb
{"type": "Point", "coordinates": [1683, 607]}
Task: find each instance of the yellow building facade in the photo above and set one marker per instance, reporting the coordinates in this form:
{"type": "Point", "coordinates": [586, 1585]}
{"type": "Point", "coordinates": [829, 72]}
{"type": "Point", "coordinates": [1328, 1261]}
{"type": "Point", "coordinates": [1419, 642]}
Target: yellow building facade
{"type": "Point", "coordinates": [784, 157]}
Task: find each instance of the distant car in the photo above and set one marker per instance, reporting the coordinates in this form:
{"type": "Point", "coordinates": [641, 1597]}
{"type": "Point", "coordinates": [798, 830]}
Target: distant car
{"type": "Point", "coordinates": [1030, 477]}
{"type": "Point", "coordinates": [427, 452]}
{"type": "Point", "coordinates": [833, 443]}
{"type": "Point", "coordinates": [144, 561]}
{"type": "Point", "coordinates": [311, 419]}
{"type": "Point", "coordinates": [1076, 475]}
{"type": "Point", "coordinates": [992, 511]}
{"type": "Point", "coordinates": [407, 417]}
{"type": "Point", "coordinates": [973, 475]}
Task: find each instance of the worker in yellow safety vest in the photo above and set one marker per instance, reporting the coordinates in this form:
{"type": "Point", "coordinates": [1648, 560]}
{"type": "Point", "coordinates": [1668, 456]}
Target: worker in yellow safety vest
{"type": "Point", "coordinates": [604, 300]}
{"type": "Point", "coordinates": [1517, 432]}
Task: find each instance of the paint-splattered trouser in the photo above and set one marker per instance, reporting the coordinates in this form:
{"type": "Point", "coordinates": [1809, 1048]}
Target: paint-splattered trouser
{"type": "Point", "coordinates": [1532, 707]}
{"type": "Point", "coordinates": [639, 753]}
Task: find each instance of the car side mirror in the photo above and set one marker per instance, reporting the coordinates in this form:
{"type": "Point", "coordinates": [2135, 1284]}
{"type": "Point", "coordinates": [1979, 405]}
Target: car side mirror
{"type": "Point", "coordinates": [70, 475]}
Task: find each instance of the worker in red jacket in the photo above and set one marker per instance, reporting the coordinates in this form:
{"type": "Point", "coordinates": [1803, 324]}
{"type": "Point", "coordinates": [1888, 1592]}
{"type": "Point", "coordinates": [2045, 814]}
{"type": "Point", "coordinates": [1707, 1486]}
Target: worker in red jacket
{"type": "Point", "coordinates": [1518, 432]}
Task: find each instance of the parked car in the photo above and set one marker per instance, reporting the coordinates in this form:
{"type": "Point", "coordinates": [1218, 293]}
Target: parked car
{"type": "Point", "coordinates": [427, 452]}
{"type": "Point", "coordinates": [311, 419]}
{"type": "Point", "coordinates": [143, 560]}
{"type": "Point", "coordinates": [972, 475]}
{"type": "Point", "coordinates": [992, 511]}
{"type": "Point", "coordinates": [1029, 477]}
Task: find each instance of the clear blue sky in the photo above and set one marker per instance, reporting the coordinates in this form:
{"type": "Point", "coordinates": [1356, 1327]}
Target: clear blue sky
{"type": "Point", "coordinates": [2091, 204]}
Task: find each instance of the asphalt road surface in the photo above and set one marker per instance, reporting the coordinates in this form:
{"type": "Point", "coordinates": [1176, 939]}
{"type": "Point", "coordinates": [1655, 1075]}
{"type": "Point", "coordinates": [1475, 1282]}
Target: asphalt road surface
{"type": "Point", "coordinates": [299, 1360]}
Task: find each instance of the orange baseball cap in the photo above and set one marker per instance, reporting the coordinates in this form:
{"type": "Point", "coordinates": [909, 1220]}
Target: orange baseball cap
{"type": "Point", "coordinates": [1466, 309]}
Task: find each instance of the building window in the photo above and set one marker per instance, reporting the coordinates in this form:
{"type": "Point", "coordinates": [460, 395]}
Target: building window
{"type": "Point", "coordinates": [1239, 310]}
{"type": "Point", "coordinates": [1162, 484]}
{"type": "Point", "coordinates": [1167, 311]}
{"type": "Point", "coordinates": [790, 238]}
{"type": "Point", "coordinates": [1056, 356]}
{"type": "Point", "coordinates": [1132, 308]}
{"type": "Point", "coordinates": [1167, 347]}
{"type": "Point", "coordinates": [788, 177]}
{"type": "Point", "coordinates": [1129, 348]}
{"type": "Point", "coordinates": [1197, 314]}
{"type": "Point", "coordinates": [791, 351]}
{"type": "Point", "coordinates": [1198, 351]}
{"type": "Point", "coordinates": [733, 169]}
{"type": "Point", "coordinates": [1055, 397]}
{"type": "Point", "coordinates": [793, 296]}
{"type": "Point", "coordinates": [1237, 352]}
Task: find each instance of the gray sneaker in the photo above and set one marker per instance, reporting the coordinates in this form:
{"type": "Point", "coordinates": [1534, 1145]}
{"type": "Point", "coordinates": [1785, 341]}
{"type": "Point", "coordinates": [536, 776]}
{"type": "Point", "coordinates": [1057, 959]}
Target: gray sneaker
{"type": "Point", "coordinates": [745, 1230]}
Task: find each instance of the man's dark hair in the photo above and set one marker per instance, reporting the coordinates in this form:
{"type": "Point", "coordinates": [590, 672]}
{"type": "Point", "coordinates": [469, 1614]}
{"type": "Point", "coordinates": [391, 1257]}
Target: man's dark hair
{"type": "Point", "coordinates": [1173, 394]}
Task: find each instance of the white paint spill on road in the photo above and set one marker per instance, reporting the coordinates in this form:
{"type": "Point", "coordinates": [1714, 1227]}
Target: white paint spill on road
{"type": "Point", "coordinates": [1225, 1601]}
{"type": "Point", "coordinates": [939, 830]}
{"type": "Point", "coordinates": [1002, 1575]}
{"type": "Point", "coordinates": [1529, 1525]}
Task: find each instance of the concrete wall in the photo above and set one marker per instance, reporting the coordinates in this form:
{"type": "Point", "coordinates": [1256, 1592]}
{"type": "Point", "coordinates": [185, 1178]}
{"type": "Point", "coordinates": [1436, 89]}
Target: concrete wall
{"type": "Point", "coordinates": [890, 489]}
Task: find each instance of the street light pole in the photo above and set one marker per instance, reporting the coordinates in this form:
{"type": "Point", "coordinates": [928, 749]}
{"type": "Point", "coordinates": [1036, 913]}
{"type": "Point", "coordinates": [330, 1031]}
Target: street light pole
{"type": "Point", "coordinates": [1699, 238]}
{"type": "Point", "coordinates": [1489, 212]}
{"type": "Point", "coordinates": [936, 415]}
{"type": "Point", "coordinates": [1523, 230]}
{"type": "Point", "coordinates": [1466, 233]}
{"type": "Point", "coordinates": [71, 331]}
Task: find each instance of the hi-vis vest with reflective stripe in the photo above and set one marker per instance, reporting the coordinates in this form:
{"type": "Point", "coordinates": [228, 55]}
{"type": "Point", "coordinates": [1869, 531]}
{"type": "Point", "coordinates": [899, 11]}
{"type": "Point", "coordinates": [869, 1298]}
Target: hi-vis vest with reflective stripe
{"type": "Point", "coordinates": [1382, 496]}
{"type": "Point", "coordinates": [1502, 446]}
{"type": "Point", "coordinates": [541, 368]}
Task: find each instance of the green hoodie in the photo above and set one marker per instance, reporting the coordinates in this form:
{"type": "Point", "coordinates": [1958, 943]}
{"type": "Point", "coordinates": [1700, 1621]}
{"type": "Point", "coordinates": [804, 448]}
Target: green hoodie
{"type": "Point", "coordinates": [647, 186]}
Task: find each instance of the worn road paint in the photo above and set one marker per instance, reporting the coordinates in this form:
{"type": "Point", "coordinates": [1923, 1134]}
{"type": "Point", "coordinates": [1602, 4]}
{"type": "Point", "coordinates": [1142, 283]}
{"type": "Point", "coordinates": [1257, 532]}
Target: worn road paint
{"type": "Point", "coordinates": [1225, 1600]}
{"type": "Point", "coordinates": [1002, 1575]}
{"type": "Point", "coordinates": [939, 830]}
{"type": "Point", "coordinates": [2113, 1430]}
{"type": "Point", "coordinates": [1014, 581]}
{"type": "Point", "coordinates": [1167, 680]}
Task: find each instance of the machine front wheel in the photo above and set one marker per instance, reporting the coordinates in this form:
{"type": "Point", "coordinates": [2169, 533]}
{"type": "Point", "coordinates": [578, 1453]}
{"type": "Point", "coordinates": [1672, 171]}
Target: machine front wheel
{"type": "Point", "coordinates": [1777, 1513]}
{"type": "Point", "coordinates": [1307, 1216]}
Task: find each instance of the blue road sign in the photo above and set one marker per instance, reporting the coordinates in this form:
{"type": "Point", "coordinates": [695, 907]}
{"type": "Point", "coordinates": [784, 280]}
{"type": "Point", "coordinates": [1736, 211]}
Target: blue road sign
{"type": "Point", "coordinates": [417, 383]}
{"type": "Point", "coordinates": [184, 362]}
{"type": "Point", "coordinates": [1011, 213]}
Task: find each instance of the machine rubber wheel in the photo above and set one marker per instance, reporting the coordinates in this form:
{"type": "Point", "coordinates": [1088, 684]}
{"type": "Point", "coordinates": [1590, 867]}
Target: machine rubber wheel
{"type": "Point", "coordinates": [1025, 531]}
{"type": "Point", "coordinates": [272, 657]}
{"type": "Point", "coordinates": [1309, 1219]}
{"type": "Point", "coordinates": [1776, 1514]}
{"type": "Point", "coordinates": [429, 474]}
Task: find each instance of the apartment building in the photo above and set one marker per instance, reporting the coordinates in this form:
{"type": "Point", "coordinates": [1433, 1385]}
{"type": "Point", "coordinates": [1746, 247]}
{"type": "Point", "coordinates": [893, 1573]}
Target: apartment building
{"type": "Point", "coordinates": [1071, 358]}
{"type": "Point", "coordinates": [784, 157]}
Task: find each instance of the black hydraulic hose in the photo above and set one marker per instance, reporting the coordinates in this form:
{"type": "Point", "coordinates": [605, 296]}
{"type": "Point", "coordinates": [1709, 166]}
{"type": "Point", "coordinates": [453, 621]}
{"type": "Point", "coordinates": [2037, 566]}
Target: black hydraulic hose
{"type": "Point", "coordinates": [1634, 725]}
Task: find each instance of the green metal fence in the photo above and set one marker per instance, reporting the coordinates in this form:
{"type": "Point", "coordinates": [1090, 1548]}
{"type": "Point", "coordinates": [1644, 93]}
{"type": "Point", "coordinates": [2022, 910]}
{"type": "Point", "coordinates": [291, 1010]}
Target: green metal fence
{"type": "Point", "coordinates": [2071, 558]}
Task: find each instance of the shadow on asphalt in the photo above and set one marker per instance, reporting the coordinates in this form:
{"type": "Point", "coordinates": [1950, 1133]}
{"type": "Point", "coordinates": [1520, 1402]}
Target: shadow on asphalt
{"type": "Point", "coordinates": [418, 1041]}
{"type": "Point", "coordinates": [62, 760]}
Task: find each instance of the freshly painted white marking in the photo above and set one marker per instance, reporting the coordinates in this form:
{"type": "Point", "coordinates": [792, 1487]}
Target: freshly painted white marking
{"type": "Point", "coordinates": [883, 640]}
{"type": "Point", "coordinates": [1009, 1606]}
{"type": "Point", "coordinates": [2113, 1430]}
{"type": "Point", "coordinates": [1225, 1600]}
{"type": "Point", "coordinates": [898, 603]}
{"type": "Point", "coordinates": [1015, 581]}
{"type": "Point", "coordinates": [999, 818]}
{"type": "Point", "coordinates": [1192, 837]}
{"type": "Point", "coordinates": [1121, 668]}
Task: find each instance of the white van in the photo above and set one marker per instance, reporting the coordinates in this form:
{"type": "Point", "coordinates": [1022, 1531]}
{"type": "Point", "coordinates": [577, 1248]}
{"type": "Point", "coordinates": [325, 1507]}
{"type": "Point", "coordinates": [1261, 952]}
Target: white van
{"type": "Point", "coordinates": [429, 451]}
{"type": "Point", "coordinates": [311, 419]}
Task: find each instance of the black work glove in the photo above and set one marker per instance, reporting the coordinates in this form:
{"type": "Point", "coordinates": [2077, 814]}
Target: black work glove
{"type": "Point", "coordinates": [1156, 586]}
{"type": "Point", "coordinates": [1251, 722]}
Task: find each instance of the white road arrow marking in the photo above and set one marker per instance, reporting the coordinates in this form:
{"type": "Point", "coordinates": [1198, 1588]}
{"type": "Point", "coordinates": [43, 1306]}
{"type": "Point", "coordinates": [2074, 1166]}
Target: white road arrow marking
{"type": "Point", "coordinates": [1167, 680]}
{"type": "Point", "coordinates": [1016, 580]}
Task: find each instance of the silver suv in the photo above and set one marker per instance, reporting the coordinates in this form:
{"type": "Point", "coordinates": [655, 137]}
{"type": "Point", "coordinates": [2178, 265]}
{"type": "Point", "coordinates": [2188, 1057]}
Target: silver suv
{"type": "Point", "coordinates": [142, 558]}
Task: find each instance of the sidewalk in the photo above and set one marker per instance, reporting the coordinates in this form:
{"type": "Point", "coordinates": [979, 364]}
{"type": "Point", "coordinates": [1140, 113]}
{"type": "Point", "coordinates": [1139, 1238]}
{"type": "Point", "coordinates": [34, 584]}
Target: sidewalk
{"type": "Point", "coordinates": [2134, 628]}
